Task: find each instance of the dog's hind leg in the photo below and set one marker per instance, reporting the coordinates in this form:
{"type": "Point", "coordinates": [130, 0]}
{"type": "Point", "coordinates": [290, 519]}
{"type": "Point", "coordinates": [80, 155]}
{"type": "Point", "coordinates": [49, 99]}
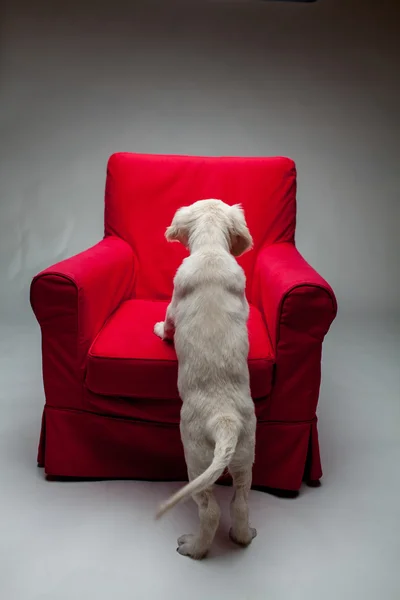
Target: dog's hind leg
{"type": "Point", "coordinates": [241, 533]}
{"type": "Point", "coordinates": [197, 545]}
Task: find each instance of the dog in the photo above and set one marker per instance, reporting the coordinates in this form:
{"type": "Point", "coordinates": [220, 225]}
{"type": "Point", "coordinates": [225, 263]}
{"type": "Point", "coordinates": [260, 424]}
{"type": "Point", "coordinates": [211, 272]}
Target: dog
{"type": "Point", "coordinates": [207, 320]}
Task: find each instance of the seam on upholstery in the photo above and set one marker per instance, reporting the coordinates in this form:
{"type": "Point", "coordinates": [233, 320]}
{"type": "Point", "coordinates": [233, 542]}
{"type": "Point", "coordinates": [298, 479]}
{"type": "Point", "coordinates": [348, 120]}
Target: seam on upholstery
{"type": "Point", "coordinates": [152, 397]}
{"type": "Point", "coordinates": [149, 398]}
{"type": "Point", "coordinates": [110, 316]}
{"type": "Point", "coordinates": [135, 420]}
{"type": "Point", "coordinates": [270, 358]}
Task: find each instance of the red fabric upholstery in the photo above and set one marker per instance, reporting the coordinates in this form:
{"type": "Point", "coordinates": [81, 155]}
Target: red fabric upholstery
{"type": "Point", "coordinates": [112, 408]}
{"type": "Point", "coordinates": [266, 187]}
{"type": "Point", "coordinates": [72, 300]}
{"type": "Point", "coordinates": [299, 307]}
{"type": "Point", "coordinates": [127, 359]}
{"type": "Point", "coordinates": [81, 444]}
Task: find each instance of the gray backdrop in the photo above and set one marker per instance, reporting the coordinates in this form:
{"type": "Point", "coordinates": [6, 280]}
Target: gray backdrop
{"type": "Point", "coordinates": [317, 82]}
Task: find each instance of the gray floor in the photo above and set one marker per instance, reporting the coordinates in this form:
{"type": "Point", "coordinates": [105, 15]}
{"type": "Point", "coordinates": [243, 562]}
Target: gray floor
{"type": "Point", "coordinates": [99, 540]}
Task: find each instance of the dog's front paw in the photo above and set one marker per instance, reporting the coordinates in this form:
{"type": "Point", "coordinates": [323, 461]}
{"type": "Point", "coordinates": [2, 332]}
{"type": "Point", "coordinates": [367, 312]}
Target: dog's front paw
{"type": "Point", "coordinates": [159, 329]}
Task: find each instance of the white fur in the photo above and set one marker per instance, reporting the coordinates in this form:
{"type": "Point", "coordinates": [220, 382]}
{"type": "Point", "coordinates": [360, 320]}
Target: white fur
{"type": "Point", "coordinates": [207, 318]}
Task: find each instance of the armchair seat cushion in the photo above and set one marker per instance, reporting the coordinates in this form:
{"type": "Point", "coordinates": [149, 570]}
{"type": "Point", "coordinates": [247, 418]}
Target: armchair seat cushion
{"type": "Point", "coordinates": [127, 360]}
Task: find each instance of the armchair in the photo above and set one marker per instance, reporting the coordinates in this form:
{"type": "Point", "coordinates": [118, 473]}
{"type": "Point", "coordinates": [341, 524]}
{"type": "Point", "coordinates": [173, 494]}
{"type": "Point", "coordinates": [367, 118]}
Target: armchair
{"type": "Point", "coordinates": [112, 404]}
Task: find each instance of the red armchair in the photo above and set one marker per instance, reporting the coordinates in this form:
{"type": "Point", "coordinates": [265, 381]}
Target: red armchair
{"type": "Point", "coordinates": [112, 404]}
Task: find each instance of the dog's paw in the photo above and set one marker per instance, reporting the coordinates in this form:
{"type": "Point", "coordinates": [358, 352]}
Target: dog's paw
{"type": "Point", "coordinates": [243, 540]}
{"type": "Point", "coordinates": [184, 539]}
{"type": "Point", "coordinates": [159, 329]}
{"type": "Point", "coordinates": [187, 546]}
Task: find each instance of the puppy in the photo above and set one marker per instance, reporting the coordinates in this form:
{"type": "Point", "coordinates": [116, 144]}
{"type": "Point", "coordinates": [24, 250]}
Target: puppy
{"type": "Point", "coordinates": [207, 319]}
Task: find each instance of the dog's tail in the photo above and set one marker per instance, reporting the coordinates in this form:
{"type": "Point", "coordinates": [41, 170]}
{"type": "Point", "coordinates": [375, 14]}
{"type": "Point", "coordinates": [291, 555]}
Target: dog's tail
{"type": "Point", "coordinates": [225, 430]}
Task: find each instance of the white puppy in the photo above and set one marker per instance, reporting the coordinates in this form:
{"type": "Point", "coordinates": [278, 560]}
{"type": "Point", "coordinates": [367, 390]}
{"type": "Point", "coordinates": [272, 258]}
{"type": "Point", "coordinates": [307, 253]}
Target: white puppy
{"type": "Point", "coordinates": [207, 318]}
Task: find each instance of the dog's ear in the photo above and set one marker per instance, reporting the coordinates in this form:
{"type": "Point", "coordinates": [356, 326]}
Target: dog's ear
{"type": "Point", "coordinates": [178, 231]}
{"type": "Point", "coordinates": [240, 238]}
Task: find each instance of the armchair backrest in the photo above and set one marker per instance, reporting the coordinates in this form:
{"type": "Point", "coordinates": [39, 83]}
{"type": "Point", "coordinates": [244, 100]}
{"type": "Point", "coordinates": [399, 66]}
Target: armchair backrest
{"type": "Point", "coordinates": [144, 191]}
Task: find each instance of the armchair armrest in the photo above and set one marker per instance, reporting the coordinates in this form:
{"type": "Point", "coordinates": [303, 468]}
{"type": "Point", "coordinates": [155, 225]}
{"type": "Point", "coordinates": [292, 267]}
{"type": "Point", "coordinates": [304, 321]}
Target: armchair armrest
{"type": "Point", "coordinates": [71, 301]}
{"type": "Point", "coordinates": [298, 306]}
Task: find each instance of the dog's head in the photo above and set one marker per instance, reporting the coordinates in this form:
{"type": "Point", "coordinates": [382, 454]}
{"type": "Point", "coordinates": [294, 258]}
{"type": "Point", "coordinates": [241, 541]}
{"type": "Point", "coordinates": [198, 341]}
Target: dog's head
{"type": "Point", "coordinates": [211, 219]}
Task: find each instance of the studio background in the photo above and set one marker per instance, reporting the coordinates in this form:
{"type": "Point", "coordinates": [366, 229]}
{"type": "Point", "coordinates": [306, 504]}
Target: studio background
{"type": "Point", "coordinates": [316, 82]}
